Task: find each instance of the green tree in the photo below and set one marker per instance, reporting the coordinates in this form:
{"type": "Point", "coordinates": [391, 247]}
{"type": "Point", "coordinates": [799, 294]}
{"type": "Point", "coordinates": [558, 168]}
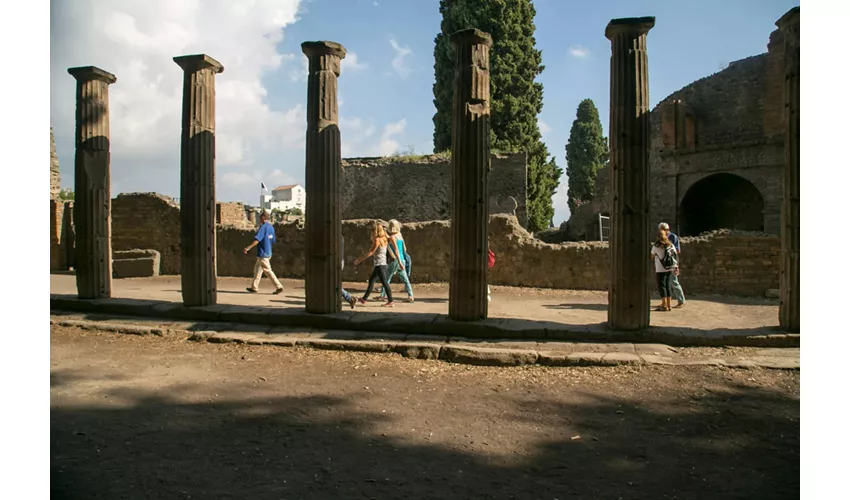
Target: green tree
{"type": "Point", "coordinates": [587, 152]}
{"type": "Point", "coordinates": [516, 99]}
{"type": "Point", "coordinates": [66, 194]}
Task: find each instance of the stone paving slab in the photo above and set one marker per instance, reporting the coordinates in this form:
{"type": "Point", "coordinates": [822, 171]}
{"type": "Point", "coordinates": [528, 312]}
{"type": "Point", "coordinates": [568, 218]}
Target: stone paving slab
{"type": "Point", "coordinates": [476, 352]}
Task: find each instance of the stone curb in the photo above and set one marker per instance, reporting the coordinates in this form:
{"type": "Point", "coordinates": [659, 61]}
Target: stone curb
{"type": "Point", "coordinates": [426, 324]}
{"type": "Point", "coordinates": [462, 354]}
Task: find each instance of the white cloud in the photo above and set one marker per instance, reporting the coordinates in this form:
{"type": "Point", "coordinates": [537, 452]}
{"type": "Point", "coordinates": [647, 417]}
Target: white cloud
{"type": "Point", "coordinates": [254, 180]}
{"type": "Point", "coordinates": [388, 145]}
{"type": "Point", "coordinates": [358, 138]}
{"type": "Point", "coordinates": [399, 62]}
{"type": "Point", "coordinates": [300, 73]}
{"type": "Point", "coordinates": [544, 128]}
{"type": "Point", "coordinates": [578, 51]}
{"type": "Point", "coordinates": [350, 63]}
{"type": "Point", "coordinates": [136, 40]}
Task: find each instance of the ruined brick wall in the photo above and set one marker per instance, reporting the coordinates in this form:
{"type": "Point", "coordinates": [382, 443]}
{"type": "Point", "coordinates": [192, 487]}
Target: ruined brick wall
{"type": "Point", "coordinates": [720, 262]}
{"type": "Point", "coordinates": [419, 188]}
{"type": "Point", "coordinates": [148, 221]}
{"type": "Point", "coordinates": [54, 168]}
{"type": "Point", "coordinates": [729, 122]}
{"type": "Point", "coordinates": [61, 235]}
{"type": "Point", "coordinates": [231, 214]}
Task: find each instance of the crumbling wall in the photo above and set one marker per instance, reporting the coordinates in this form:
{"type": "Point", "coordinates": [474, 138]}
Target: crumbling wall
{"type": "Point", "coordinates": [149, 221]}
{"type": "Point", "coordinates": [231, 214]}
{"type": "Point", "coordinates": [54, 168]}
{"type": "Point", "coordinates": [724, 262]}
{"type": "Point", "coordinates": [415, 189]}
{"type": "Point", "coordinates": [61, 235]}
{"type": "Point", "coordinates": [728, 122]}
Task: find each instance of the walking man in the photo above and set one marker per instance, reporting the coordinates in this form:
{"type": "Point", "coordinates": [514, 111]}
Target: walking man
{"type": "Point", "coordinates": [263, 241]}
{"type": "Point", "coordinates": [678, 293]}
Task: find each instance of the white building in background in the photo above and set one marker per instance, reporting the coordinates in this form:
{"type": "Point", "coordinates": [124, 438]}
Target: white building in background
{"type": "Point", "coordinates": [285, 198]}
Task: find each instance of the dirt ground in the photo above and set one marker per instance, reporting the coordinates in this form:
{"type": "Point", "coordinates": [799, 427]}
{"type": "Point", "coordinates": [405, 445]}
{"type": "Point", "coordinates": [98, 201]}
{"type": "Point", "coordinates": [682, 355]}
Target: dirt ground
{"type": "Point", "coordinates": [147, 417]}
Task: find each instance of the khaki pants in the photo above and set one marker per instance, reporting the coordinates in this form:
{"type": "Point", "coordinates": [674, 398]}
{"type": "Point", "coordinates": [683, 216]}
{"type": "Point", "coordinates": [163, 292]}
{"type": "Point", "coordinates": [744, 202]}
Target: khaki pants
{"type": "Point", "coordinates": [262, 266]}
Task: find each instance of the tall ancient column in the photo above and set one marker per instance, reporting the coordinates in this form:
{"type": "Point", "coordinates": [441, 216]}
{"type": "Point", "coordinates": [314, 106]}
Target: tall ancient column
{"type": "Point", "coordinates": [91, 183]}
{"type": "Point", "coordinates": [789, 277]}
{"type": "Point", "coordinates": [628, 293]}
{"type": "Point", "coordinates": [470, 171]}
{"type": "Point", "coordinates": [197, 180]}
{"type": "Point", "coordinates": [322, 216]}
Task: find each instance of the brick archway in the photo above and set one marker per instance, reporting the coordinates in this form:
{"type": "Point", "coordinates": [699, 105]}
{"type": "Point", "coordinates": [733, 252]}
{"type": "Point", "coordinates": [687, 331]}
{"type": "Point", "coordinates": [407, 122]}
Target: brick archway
{"type": "Point", "coordinates": [721, 201]}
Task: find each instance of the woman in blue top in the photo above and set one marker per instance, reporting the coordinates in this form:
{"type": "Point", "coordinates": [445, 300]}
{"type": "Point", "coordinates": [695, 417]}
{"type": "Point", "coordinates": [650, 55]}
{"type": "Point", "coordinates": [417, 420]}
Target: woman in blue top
{"type": "Point", "coordinates": [402, 270]}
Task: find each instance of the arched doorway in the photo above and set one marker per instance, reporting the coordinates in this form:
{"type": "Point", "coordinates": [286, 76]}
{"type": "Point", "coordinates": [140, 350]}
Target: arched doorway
{"type": "Point", "coordinates": [721, 201]}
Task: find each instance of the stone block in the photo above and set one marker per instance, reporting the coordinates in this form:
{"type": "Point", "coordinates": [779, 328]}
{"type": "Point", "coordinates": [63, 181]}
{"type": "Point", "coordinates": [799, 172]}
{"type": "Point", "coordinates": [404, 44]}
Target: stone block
{"type": "Point", "coordinates": [487, 356]}
{"type": "Point", "coordinates": [142, 267]}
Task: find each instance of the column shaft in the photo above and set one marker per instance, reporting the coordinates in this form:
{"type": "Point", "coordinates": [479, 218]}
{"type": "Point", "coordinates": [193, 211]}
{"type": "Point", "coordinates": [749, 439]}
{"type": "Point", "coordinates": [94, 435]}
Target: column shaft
{"type": "Point", "coordinates": [91, 184]}
{"type": "Point", "coordinates": [628, 293]}
{"type": "Point", "coordinates": [470, 172]}
{"type": "Point", "coordinates": [789, 277]}
{"type": "Point", "coordinates": [322, 217]}
{"type": "Point", "coordinates": [197, 181]}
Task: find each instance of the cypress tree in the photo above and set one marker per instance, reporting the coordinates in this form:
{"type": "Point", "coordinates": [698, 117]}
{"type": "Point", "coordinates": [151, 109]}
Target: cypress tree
{"type": "Point", "coordinates": [516, 99]}
{"type": "Point", "coordinates": [587, 152]}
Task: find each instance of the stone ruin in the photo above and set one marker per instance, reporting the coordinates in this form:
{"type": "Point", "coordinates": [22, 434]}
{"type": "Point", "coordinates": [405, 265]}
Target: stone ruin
{"type": "Point", "coordinates": [628, 295]}
{"type": "Point", "coordinates": [717, 154]}
{"type": "Point", "coordinates": [418, 188]}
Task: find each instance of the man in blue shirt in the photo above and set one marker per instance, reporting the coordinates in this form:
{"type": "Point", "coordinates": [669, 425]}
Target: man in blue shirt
{"type": "Point", "coordinates": [678, 293]}
{"type": "Point", "coordinates": [263, 241]}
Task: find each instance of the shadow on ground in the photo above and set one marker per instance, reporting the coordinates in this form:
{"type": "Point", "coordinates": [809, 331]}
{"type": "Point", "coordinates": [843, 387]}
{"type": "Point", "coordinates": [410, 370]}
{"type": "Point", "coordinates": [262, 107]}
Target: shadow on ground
{"type": "Point", "coordinates": [734, 443]}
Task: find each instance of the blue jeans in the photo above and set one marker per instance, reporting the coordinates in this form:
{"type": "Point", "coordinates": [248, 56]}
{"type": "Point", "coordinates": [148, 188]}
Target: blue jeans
{"type": "Point", "coordinates": [393, 270]}
{"type": "Point", "coordinates": [346, 296]}
{"type": "Point", "coordinates": [678, 293]}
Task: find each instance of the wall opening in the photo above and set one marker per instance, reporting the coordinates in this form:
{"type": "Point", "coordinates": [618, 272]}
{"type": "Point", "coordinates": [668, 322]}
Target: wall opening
{"type": "Point", "coordinates": [721, 201]}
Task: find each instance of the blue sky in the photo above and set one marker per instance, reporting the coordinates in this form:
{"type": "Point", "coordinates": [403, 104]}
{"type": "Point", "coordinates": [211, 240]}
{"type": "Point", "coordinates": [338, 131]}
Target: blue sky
{"type": "Point", "coordinates": [385, 86]}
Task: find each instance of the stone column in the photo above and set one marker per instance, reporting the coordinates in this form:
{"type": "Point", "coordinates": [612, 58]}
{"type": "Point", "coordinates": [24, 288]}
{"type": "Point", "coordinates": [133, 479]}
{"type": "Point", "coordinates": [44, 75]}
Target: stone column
{"type": "Point", "coordinates": [470, 171]}
{"type": "Point", "coordinates": [322, 216]}
{"type": "Point", "coordinates": [91, 183]}
{"type": "Point", "coordinates": [789, 277]}
{"type": "Point", "coordinates": [628, 293]}
{"type": "Point", "coordinates": [197, 180]}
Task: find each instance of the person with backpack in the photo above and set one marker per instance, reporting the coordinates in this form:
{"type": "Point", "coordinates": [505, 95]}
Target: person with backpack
{"type": "Point", "coordinates": [664, 254]}
{"type": "Point", "coordinates": [678, 293]}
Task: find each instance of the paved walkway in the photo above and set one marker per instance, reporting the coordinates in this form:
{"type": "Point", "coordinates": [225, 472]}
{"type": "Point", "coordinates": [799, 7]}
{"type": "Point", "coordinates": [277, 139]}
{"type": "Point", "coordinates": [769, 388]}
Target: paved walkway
{"type": "Point", "coordinates": [747, 316]}
{"type": "Point", "coordinates": [491, 352]}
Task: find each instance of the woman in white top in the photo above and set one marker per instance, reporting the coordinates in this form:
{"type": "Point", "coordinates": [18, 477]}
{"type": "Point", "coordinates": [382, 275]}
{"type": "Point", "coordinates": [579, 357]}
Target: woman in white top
{"type": "Point", "coordinates": [664, 254]}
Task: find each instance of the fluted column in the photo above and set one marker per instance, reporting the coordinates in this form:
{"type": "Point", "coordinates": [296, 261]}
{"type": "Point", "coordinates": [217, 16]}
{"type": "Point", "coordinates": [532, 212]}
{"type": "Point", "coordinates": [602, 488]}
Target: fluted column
{"type": "Point", "coordinates": [91, 183]}
{"type": "Point", "coordinates": [789, 277]}
{"type": "Point", "coordinates": [197, 180]}
{"type": "Point", "coordinates": [322, 217]}
{"type": "Point", "coordinates": [470, 171]}
{"type": "Point", "coordinates": [628, 293]}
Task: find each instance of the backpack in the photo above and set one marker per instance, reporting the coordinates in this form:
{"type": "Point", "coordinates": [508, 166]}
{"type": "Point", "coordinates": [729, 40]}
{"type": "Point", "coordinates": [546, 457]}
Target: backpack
{"type": "Point", "coordinates": [669, 259]}
{"type": "Point", "coordinates": [491, 259]}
